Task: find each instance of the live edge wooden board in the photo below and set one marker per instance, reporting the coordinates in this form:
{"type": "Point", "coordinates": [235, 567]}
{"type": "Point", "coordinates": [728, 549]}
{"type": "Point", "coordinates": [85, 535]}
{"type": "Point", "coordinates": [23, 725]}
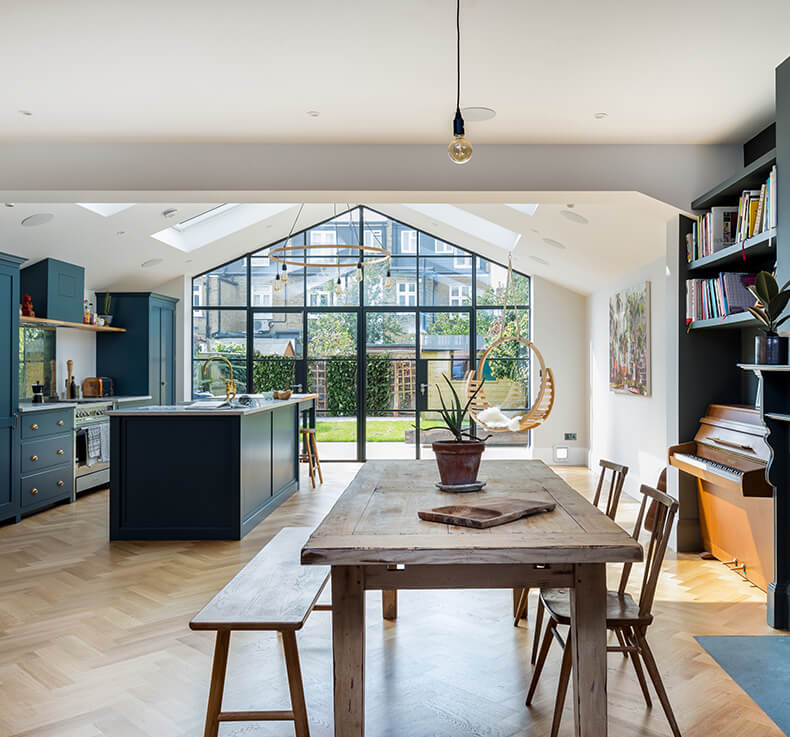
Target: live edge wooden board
{"type": "Point", "coordinates": [374, 540]}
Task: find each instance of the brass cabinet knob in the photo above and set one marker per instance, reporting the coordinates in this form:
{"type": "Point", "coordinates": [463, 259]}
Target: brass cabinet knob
{"type": "Point", "coordinates": [60, 423]}
{"type": "Point", "coordinates": [34, 458]}
{"type": "Point", "coordinates": [60, 451]}
{"type": "Point", "coordinates": [34, 427]}
{"type": "Point", "coordinates": [60, 483]}
{"type": "Point", "coordinates": [34, 491]}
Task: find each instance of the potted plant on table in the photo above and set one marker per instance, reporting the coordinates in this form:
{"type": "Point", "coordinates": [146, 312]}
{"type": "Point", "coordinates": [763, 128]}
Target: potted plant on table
{"type": "Point", "coordinates": [770, 348]}
{"type": "Point", "coordinates": [458, 459]}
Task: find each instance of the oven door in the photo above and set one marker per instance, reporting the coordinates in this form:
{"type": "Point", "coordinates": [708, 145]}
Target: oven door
{"type": "Point", "coordinates": [89, 473]}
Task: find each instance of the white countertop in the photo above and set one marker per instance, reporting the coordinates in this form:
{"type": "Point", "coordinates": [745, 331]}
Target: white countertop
{"type": "Point", "coordinates": [30, 407]}
{"type": "Point", "coordinates": [25, 407]}
{"type": "Point", "coordinates": [185, 410]}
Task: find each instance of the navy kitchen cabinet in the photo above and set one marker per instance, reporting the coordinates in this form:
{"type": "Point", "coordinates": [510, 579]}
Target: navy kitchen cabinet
{"type": "Point", "coordinates": [57, 289]}
{"type": "Point", "coordinates": [9, 385]}
{"type": "Point", "coordinates": [140, 361]}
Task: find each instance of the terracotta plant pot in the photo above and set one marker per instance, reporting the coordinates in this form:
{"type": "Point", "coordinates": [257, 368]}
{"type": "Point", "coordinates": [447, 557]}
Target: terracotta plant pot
{"type": "Point", "coordinates": [458, 462]}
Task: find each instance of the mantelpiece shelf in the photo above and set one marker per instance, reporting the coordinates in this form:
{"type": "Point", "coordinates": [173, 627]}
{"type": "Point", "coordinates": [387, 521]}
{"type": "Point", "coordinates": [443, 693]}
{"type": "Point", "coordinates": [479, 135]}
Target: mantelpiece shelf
{"type": "Point", "coordinates": [43, 322]}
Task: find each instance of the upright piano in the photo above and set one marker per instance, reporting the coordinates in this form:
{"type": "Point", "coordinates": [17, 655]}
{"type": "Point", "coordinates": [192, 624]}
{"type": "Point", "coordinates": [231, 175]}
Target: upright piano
{"type": "Point", "coordinates": [728, 457]}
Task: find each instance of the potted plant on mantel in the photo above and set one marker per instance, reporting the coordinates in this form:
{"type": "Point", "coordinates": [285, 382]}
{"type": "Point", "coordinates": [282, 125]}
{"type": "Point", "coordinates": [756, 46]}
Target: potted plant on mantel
{"type": "Point", "coordinates": [458, 459]}
{"type": "Point", "coordinates": [770, 348]}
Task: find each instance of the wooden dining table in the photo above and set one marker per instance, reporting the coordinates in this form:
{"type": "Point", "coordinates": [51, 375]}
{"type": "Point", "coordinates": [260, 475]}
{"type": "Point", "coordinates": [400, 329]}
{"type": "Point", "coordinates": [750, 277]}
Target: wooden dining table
{"type": "Point", "coordinates": [373, 540]}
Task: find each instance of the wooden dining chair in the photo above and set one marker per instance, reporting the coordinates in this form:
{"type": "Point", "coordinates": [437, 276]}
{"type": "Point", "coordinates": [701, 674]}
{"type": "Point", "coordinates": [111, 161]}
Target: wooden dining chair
{"type": "Point", "coordinates": [627, 619]}
{"type": "Point", "coordinates": [615, 490]}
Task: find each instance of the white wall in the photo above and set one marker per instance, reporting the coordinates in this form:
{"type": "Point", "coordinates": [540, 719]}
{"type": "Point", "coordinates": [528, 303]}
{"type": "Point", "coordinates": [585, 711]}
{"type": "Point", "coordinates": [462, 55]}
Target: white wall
{"type": "Point", "coordinates": [559, 330]}
{"type": "Point", "coordinates": [629, 429]}
{"type": "Point", "coordinates": [80, 347]}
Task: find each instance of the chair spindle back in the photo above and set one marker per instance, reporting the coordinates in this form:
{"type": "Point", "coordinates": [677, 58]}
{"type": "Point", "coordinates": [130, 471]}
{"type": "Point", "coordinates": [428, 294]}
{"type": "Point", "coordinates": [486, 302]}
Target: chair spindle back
{"type": "Point", "coordinates": [615, 486]}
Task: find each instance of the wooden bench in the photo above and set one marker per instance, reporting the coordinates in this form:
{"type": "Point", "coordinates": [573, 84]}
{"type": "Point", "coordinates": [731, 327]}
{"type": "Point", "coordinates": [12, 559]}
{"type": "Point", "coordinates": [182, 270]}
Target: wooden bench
{"type": "Point", "coordinates": [274, 591]}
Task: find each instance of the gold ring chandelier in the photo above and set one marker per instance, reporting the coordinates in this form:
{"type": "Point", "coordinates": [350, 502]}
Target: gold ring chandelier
{"type": "Point", "coordinates": [361, 255]}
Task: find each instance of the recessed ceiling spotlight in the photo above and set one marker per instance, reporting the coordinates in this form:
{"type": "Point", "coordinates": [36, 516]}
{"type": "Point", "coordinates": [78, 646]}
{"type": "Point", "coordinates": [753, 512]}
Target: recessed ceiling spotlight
{"type": "Point", "coordinates": [553, 243]}
{"type": "Point", "coordinates": [601, 116]}
{"type": "Point", "coordinates": [26, 113]}
{"type": "Point", "coordinates": [540, 260]}
{"type": "Point", "coordinates": [151, 262]}
{"type": "Point", "coordinates": [169, 212]}
{"type": "Point", "coordinates": [478, 114]}
{"type": "Point", "coordinates": [40, 218]}
{"type": "Point", "coordinates": [121, 232]}
{"type": "Point", "coordinates": [313, 113]}
{"type": "Point", "coordinates": [574, 217]}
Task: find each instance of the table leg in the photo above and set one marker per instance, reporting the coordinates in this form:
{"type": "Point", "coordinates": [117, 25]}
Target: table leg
{"type": "Point", "coordinates": [348, 649]}
{"type": "Point", "coordinates": [389, 603]}
{"type": "Point", "coordinates": [588, 635]}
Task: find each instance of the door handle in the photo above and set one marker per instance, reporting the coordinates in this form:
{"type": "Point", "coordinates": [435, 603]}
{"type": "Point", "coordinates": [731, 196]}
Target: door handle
{"type": "Point", "coordinates": [423, 389]}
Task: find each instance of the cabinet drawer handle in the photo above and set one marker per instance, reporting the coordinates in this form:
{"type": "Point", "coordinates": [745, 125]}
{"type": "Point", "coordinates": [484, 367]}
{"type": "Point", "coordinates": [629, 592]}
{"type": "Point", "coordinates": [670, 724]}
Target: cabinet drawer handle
{"type": "Point", "coordinates": [60, 483]}
{"type": "Point", "coordinates": [34, 458]}
{"type": "Point", "coordinates": [60, 451]}
{"type": "Point", "coordinates": [34, 427]}
{"type": "Point", "coordinates": [60, 423]}
{"type": "Point", "coordinates": [34, 491]}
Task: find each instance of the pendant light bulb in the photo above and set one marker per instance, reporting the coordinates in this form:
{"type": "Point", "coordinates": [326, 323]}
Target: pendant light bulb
{"type": "Point", "coordinates": [358, 274]}
{"type": "Point", "coordinates": [388, 280]}
{"type": "Point", "coordinates": [460, 150]}
{"type": "Point", "coordinates": [277, 282]}
{"type": "Point", "coordinates": [339, 287]}
{"type": "Point", "coordinates": [285, 274]}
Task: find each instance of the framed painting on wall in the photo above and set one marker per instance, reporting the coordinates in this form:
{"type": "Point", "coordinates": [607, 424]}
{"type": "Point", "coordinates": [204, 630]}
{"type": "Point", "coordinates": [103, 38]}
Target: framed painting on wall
{"type": "Point", "coordinates": [629, 340]}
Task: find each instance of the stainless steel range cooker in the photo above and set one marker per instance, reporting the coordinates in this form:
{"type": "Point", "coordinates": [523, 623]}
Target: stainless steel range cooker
{"type": "Point", "coordinates": [88, 474]}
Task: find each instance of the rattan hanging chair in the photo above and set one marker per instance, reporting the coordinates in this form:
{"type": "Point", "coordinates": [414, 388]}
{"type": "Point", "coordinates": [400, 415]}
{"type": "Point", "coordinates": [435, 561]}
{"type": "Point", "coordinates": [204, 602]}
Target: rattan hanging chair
{"type": "Point", "coordinates": [475, 381]}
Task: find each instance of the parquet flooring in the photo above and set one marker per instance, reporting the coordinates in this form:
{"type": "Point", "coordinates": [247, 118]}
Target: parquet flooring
{"type": "Point", "coordinates": [94, 642]}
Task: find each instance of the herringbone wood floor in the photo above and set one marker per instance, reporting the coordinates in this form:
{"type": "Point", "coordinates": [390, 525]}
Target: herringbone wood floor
{"type": "Point", "coordinates": [94, 642]}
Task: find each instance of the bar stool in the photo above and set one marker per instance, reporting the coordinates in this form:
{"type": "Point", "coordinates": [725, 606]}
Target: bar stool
{"type": "Point", "coordinates": [309, 454]}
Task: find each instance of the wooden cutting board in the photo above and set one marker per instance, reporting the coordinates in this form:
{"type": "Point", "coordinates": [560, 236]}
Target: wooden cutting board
{"type": "Point", "coordinates": [485, 514]}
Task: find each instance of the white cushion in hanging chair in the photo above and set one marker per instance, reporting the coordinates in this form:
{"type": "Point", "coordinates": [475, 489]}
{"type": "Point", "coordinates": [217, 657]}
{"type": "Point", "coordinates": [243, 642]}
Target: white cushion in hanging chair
{"type": "Point", "coordinates": [495, 418]}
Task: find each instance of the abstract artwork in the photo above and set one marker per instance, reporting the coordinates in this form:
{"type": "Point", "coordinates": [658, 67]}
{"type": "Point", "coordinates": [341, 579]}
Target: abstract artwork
{"type": "Point", "coordinates": [629, 341]}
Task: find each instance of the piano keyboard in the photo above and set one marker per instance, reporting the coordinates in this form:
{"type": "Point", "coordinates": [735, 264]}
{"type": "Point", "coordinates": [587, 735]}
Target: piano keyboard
{"type": "Point", "coordinates": [708, 465]}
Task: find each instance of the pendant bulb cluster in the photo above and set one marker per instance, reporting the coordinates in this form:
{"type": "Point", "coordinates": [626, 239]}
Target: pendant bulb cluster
{"type": "Point", "coordinates": [460, 150]}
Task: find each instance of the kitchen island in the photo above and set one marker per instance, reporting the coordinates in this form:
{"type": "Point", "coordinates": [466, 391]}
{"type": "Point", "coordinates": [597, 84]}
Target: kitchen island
{"type": "Point", "coordinates": [202, 472]}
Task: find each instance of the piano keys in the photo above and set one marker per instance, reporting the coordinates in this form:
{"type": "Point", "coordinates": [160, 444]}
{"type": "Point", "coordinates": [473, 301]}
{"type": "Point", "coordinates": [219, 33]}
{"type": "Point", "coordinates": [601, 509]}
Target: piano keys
{"type": "Point", "coordinates": [728, 457]}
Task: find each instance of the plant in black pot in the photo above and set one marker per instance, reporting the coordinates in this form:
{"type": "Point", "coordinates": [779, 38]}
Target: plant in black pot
{"type": "Point", "coordinates": [458, 459]}
{"type": "Point", "coordinates": [770, 348]}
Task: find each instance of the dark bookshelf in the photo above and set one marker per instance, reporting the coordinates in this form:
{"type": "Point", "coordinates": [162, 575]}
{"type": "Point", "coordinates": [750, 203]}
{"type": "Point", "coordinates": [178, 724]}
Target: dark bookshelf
{"type": "Point", "coordinates": [761, 247]}
{"type": "Point", "coordinates": [728, 192]}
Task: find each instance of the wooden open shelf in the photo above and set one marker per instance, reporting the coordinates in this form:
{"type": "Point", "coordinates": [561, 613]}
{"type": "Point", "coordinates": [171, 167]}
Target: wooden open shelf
{"type": "Point", "coordinates": [43, 322]}
{"type": "Point", "coordinates": [728, 192]}
{"type": "Point", "coordinates": [760, 246]}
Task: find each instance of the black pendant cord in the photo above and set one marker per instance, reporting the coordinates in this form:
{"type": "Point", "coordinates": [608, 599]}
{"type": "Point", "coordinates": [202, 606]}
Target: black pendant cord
{"type": "Point", "coordinates": [458, 56]}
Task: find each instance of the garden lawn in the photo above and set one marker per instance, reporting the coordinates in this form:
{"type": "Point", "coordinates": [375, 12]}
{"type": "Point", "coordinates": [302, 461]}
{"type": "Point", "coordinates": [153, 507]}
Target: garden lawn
{"type": "Point", "coordinates": [389, 430]}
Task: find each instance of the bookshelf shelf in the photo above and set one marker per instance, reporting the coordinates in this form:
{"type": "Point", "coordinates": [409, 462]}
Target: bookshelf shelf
{"type": "Point", "coordinates": [738, 320]}
{"type": "Point", "coordinates": [761, 246]}
{"type": "Point", "coordinates": [727, 193]}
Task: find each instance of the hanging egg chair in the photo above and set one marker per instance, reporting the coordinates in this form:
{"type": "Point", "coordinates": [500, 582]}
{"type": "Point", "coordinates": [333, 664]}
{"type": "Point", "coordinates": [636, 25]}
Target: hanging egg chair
{"type": "Point", "coordinates": [492, 419]}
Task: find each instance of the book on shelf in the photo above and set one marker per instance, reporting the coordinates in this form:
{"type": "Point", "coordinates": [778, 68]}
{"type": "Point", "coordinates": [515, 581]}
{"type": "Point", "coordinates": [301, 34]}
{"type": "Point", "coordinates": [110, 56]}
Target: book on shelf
{"type": "Point", "coordinates": [725, 294]}
{"type": "Point", "coordinates": [726, 226]}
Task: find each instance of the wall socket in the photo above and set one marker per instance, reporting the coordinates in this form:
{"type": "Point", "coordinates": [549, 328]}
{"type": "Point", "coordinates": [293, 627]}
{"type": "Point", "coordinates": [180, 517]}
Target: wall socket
{"type": "Point", "coordinates": [570, 436]}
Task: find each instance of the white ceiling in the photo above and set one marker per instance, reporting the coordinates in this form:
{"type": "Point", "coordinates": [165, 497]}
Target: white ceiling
{"type": "Point", "coordinates": [249, 70]}
{"type": "Point", "coordinates": [625, 231]}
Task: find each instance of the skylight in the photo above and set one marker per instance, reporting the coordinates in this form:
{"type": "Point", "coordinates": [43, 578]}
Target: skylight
{"type": "Point", "coordinates": [203, 216]}
{"type": "Point", "coordinates": [526, 209]}
{"type": "Point", "coordinates": [105, 209]}
{"type": "Point", "coordinates": [475, 225]}
{"type": "Point", "coordinates": [216, 223]}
